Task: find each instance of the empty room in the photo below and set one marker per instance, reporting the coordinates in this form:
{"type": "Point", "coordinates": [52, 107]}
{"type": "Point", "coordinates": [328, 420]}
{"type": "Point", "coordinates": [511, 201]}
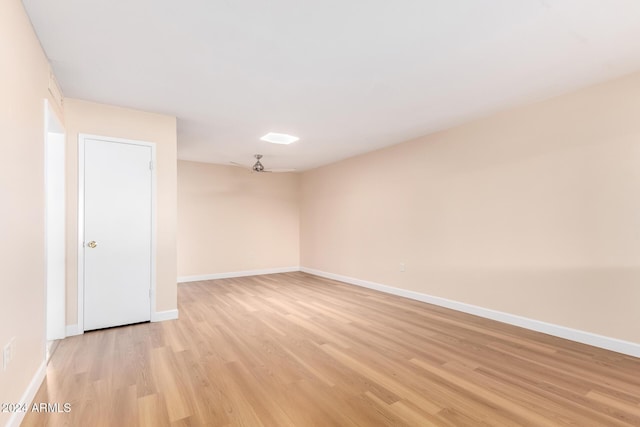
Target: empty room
{"type": "Point", "coordinates": [245, 213]}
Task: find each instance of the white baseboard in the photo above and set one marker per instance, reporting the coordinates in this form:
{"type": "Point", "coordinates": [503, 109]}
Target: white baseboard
{"type": "Point", "coordinates": [28, 395]}
{"type": "Point", "coordinates": [613, 344]}
{"type": "Point", "coordinates": [72, 330]}
{"type": "Point", "coordinates": [231, 274]}
{"type": "Point", "coordinates": [161, 316]}
{"type": "Point", "coordinates": [158, 316]}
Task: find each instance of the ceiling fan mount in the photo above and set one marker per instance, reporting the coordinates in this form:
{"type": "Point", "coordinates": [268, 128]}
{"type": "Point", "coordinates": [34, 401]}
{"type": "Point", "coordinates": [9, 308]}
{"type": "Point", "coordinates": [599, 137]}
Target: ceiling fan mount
{"type": "Point", "coordinates": [259, 167]}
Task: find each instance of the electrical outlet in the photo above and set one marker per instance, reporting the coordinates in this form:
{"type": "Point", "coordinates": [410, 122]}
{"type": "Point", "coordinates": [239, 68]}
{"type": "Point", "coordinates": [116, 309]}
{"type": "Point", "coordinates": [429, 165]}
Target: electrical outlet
{"type": "Point", "coordinates": [402, 267]}
{"type": "Point", "coordinates": [8, 351]}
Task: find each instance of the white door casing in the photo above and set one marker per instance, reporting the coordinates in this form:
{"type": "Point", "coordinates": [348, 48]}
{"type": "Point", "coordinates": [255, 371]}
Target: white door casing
{"type": "Point", "coordinates": [116, 211]}
{"type": "Point", "coordinates": [55, 292]}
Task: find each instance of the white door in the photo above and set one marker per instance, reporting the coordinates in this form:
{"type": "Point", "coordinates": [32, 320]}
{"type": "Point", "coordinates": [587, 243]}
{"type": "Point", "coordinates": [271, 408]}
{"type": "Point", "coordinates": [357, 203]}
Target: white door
{"type": "Point", "coordinates": [117, 233]}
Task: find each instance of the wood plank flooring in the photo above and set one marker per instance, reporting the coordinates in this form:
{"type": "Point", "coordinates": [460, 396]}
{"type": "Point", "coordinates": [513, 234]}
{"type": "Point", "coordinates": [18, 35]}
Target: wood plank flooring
{"type": "Point", "coordinates": [297, 350]}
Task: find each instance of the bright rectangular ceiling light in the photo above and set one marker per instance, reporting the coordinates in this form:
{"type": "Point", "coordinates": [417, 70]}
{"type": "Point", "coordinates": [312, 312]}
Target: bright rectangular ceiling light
{"type": "Point", "coordinates": [279, 138]}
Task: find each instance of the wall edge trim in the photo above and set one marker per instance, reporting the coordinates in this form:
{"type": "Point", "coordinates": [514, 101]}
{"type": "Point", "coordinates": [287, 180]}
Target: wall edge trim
{"type": "Point", "coordinates": [614, 344]}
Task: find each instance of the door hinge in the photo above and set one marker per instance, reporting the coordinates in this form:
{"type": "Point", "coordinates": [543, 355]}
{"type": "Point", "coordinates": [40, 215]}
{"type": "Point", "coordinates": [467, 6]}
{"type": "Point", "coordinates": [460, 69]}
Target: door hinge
{"type": "Point", "coordinates": [150, 166]}
{"type": "Point", "coordinates": [149, 293]}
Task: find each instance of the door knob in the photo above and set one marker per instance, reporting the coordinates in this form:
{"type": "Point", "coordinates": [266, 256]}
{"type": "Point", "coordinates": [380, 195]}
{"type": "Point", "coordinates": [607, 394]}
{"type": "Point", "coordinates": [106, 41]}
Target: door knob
{"type": "Point", "coordinates": [92, 244]}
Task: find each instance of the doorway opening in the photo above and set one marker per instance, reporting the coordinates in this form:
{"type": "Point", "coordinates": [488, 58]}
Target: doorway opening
{"type": "Point", "coordinates": [55, 217]}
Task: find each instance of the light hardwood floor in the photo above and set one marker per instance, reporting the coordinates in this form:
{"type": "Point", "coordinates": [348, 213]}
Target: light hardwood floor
{"type": "Point", "coordinates": [296, 350]}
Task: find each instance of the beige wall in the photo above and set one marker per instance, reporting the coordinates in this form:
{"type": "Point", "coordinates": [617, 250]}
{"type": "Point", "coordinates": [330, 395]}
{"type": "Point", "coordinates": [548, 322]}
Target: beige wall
{"type": "Point", "coordinates": [105, 120]}
{"type": "Point", "coordinates": [24, 74]}
{"type": "Point", "coordinates": [230, 219]}
{"type": "Point", "coordinates": [534, 212]}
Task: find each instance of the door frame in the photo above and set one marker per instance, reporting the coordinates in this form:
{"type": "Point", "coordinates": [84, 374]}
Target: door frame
{"type": "Point", "coordinates": [82, 137]}
{"type": "Point", "coordinates": [54, 296]}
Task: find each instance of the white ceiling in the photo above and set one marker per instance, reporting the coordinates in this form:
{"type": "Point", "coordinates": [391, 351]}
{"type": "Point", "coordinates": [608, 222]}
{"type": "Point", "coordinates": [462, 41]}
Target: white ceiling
{"type": "Point", "coordinates": [345, 76]}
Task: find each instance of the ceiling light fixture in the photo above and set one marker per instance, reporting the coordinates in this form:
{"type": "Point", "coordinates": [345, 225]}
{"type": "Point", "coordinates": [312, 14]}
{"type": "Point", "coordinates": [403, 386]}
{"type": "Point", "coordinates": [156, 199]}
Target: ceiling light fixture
{"type": "Point", "coordinates": [279, 138]}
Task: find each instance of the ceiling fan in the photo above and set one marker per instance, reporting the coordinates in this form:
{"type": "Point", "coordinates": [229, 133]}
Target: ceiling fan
{"type": "Point", "coordinates": [258, 166]}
